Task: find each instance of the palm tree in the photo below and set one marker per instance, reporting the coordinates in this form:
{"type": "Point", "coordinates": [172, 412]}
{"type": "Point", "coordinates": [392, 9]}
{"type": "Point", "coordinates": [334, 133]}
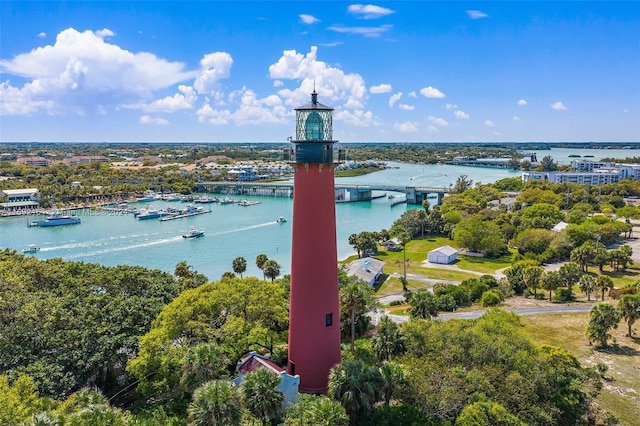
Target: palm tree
{"type": "Point", "coordinates": [355, 385]}
{"type": "Point", "coordinates": [261, 395]}
{"type": "Point", "coordinates": [202, 364]}
{"type": "Point", "coordinates": [316, 410]}
{"type": "Point", "coordinates": [239, 265]}
{"type": "Point", "coordinates": [587, 284]}
{"type": "Point", "coordinates": [261, 259]}
{"type": "Point", "coordinates": [604, 317]}
{"type": "Point", "coordinates": [581, 255]}
{"type": "Point", "coordinates": [531, 278]}
{"type": "Point", "coordinates": [570, 274]}
{"type": "Point", "coordinates": [392, 378]}
{"type": "Point", "coordinates": [629, 307]}
{"type": "Point", "coordinates": [550, 280]}
{"type": "Point", "coordinates": [603, 283]}
{"type": "Point", "coordinates": [355, 297]}
{"type": "Point", "coordinates": [423, 305]}
{"type": "Point", "coordinates": [183, 270]}
{"type": "Point", "coordinates": [388, 341]}
{"type": "Point", "coordinates": [404, 237]}
{"type": "Point", "coordinates": [215, 403]}
{"type": "Point", "coordinates": [271, 269]}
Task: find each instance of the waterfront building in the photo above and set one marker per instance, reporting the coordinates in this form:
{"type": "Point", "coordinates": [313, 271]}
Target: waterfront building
{"type": "Point", "coordinates": [314, 314]}
{"type": "Point", "coordinates": [19, 199]}
{"type": "Point", "coordinates": [368, 269]}
{"type": "Point", "coordinates": [588, 173]}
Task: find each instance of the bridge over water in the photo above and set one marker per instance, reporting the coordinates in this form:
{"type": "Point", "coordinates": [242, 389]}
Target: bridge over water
{"type": "Point", "coordinates": [344, 192]}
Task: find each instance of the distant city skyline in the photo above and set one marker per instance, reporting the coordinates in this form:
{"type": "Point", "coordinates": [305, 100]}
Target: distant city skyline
{"type": "Point", "coordinates": [395, 71]}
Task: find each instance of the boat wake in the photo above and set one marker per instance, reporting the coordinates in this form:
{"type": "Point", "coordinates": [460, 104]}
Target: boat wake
{"type": "Point", "coordinates": [247, 228]}
{"type": "Point", "coordinates": [129, 247]}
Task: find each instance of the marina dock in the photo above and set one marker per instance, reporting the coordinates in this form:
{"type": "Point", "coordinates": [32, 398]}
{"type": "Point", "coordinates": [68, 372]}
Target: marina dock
{"type": "Point", "coordinates": [180, 216]}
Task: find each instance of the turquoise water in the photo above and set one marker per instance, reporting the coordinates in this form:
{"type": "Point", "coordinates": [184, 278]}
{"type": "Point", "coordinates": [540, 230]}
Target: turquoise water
{"type": "Point", "coordinates": [230, 230]}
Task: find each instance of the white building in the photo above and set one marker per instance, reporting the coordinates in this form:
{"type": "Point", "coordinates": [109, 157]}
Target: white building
{"type": "Point", "coordinates": [367, 269]}
{"type": "Point", "coordinates": [442, 255]}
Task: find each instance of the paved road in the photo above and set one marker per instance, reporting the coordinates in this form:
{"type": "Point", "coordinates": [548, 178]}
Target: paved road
{"type": "Point", "coordinates": [478, 314]}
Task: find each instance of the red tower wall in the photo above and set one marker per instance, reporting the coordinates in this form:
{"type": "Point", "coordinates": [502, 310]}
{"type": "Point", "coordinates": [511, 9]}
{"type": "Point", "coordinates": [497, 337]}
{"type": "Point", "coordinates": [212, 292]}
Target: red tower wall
{"type": "Point", "coordinates": [313, 347]}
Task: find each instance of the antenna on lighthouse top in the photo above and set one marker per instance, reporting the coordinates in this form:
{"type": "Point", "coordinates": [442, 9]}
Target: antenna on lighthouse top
{"type": "Point", "coordinates": [314, 95]}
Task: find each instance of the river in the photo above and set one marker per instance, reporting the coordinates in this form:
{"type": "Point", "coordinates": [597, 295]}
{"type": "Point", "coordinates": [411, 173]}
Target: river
{"type": "Point", "coordinates": [230, 230]}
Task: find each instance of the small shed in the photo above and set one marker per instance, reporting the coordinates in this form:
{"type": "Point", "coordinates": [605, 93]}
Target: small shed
{"type": "Point", "coordinates": [393, 244]}
{"type": "Point", "coordinates": [442, 255]}
{"type": "Point", "coordinates": [367, 269]}
{"type": "Point", "coordinates": [559, 226]}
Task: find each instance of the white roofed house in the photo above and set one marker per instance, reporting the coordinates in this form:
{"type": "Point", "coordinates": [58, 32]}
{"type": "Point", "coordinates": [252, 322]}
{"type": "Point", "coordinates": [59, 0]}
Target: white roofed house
{"type": "Point", "coordinates": [367, 269]}
{"type": "Point", "coordinates": [442, 255]}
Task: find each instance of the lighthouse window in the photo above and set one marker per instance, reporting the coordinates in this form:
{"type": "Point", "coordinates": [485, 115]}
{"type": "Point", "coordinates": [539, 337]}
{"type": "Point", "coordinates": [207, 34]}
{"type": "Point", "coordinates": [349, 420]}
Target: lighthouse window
{"type": "Point", "coordinates": [314, 127]}
{"type": "Point", "coordinates": [328, 320]}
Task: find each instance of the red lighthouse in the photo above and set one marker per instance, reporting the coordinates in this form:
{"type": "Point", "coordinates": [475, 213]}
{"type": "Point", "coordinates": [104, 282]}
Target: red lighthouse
{"type": "Point", "coordinates": [314, 316]}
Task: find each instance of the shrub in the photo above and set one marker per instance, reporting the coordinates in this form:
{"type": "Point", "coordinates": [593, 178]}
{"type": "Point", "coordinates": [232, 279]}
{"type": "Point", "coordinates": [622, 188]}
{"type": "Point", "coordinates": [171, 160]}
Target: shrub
{"type": "Point", "coordinates": [446, 302]}
{"type": "Point", "coordinates": [562, 294]}
{"type": "Point", "coordinates": [490, 298]}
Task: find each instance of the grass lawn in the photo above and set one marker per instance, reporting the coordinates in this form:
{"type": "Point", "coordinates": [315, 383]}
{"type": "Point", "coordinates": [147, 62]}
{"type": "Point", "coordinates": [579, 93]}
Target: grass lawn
{"type": "Point", "coordinates": [393, 286]}
{"type": "Point", "coordinates": [621, 395]}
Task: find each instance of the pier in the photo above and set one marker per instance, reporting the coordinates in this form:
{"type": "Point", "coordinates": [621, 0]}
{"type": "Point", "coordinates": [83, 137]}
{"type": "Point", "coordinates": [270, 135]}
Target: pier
{"type": "Point", "coordinates": [282, 189]}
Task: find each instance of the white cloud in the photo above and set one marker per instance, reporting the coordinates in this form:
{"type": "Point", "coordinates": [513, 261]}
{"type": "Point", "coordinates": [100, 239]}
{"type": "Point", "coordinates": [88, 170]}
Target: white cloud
{"type": "Point", "coordinates": [461, 114]}
{"type": "Point", "coordinates": [406, 127]}
{"type": "Point", "coordinates": [357, 117]}
{"type": "Point", "coordinates": [413, 95]}
{"type": "Point", "coordinates": [381, 88]}
{"type": "Point", "coordinates": [277, 83]}
{"type": "Point", "coordinates": [438, 121]}
{"type": "Point", "coordinates": [522, 102]}
{"type": "Point", "coordinates": [450, 106]}
{"type": "Point", "coordinates": [183, 100]}
{"type": "Point", "coordinates": [332, 84]}
{"type": "Point", "coordinates": [431, 92]}
{"type": "Point", "coordinates": [334, 44]}
{"type": "Point", "coordinates": [145, 119]}
{"type": "Point", "coordinates": [488, 123]}
{"type": "Point", "coordinates": [81, 73]}
{"type": "Point", "coordinates": [516, 118]}
{"type": "Point", "coordinates": [213, 68]}
{"type": "Point", "coordinates": [476, 14]}
{"type": "Point", "coordinates": [406, 107]}
{"type": "Point", "coordinates": [433, 129]}
{"type": "Point", "coordinates": [249, 110]}
{"type": "Point", "coordinates": [105, 32]}
{"type": "Point", "coordinates": [394, 98]}
{"type": "Point", "coordinates": [368, 11]}
{"type": "Point", "coordinates": [308, 19]}
{"type": "Point", "coordinates": [364, 31]}
{"type": "Point", "coordinates": [42, 35]}
{"type": "Point", "coordinates": [558, 106]}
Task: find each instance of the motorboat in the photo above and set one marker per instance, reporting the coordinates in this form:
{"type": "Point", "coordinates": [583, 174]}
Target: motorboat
{"type": "Point", "coordinates": [57, 218]}
{"type": "Point", "coordinates": [32, 248]}
{"type": "Point", "coordinates": [149, 196]}
{"type": "Point", "coordinates": [281, 219]}
{"type": "Point", "coordinates": [150, 213]}
{"type": "Point", "coordinates": [193, 233]}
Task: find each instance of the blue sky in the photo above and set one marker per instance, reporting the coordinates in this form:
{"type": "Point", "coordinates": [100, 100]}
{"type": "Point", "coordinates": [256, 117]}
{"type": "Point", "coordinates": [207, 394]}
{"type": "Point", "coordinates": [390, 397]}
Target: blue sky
{"type": "Point", "coordinates": [395, 71]}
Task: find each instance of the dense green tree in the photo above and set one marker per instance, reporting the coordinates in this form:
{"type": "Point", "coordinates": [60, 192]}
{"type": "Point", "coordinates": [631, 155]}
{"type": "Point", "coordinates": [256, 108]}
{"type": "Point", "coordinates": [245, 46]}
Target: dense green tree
{"type": "Point", "coordinates": [540, 215]}
{"type": "Point", "coordinates": [480, 236]}
{"type": "Point", "coordinates": [239, 315]}
{"type": "Point", "coordinates": [216, 403]}
{"type": "Point", "coordinates": [548, 164]}
{"type": "Point", "coordinates": [487, 413]}
{"type": "Point", "coordinates": [388, 341]}
{"type": "Point", "coordinates": [239, 265]}
{"type": "Point", "coordinates": [392, 380]}
{"type": "Point", "coordinates": [531, 277]}
{"type": "Point", "coordinates": [355, 385]}
{"type": "Point", "coordinates": [18, 400]}
{"type": "Point", "coordinates": [462, 184]}
{"type": "Point", "coordinates": [603, 318]}
{"type": "Point", "coordinates": [260, 394]}
{"type": "Point", "coordinates": [629, 307]}
{"type": "Point", "coordinates": [533, 240]}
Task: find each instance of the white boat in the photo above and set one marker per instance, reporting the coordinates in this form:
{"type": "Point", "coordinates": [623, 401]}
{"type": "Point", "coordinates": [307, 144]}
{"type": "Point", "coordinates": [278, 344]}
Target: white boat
{"type": "Point", "coordinates": [226, 200]}
{"type": "Point", "coordinates": [150, 213]}
{"type": "Point", "coordinates": [31, 249]}
{"type": "Point", "coordinates": [281, 219]}
{"type": "Point", "coordinates": [149, 196]}
{"type": "Point", "coordinates": [57, 218]}
{"type": "Point", "coordinates": [193, 233]}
